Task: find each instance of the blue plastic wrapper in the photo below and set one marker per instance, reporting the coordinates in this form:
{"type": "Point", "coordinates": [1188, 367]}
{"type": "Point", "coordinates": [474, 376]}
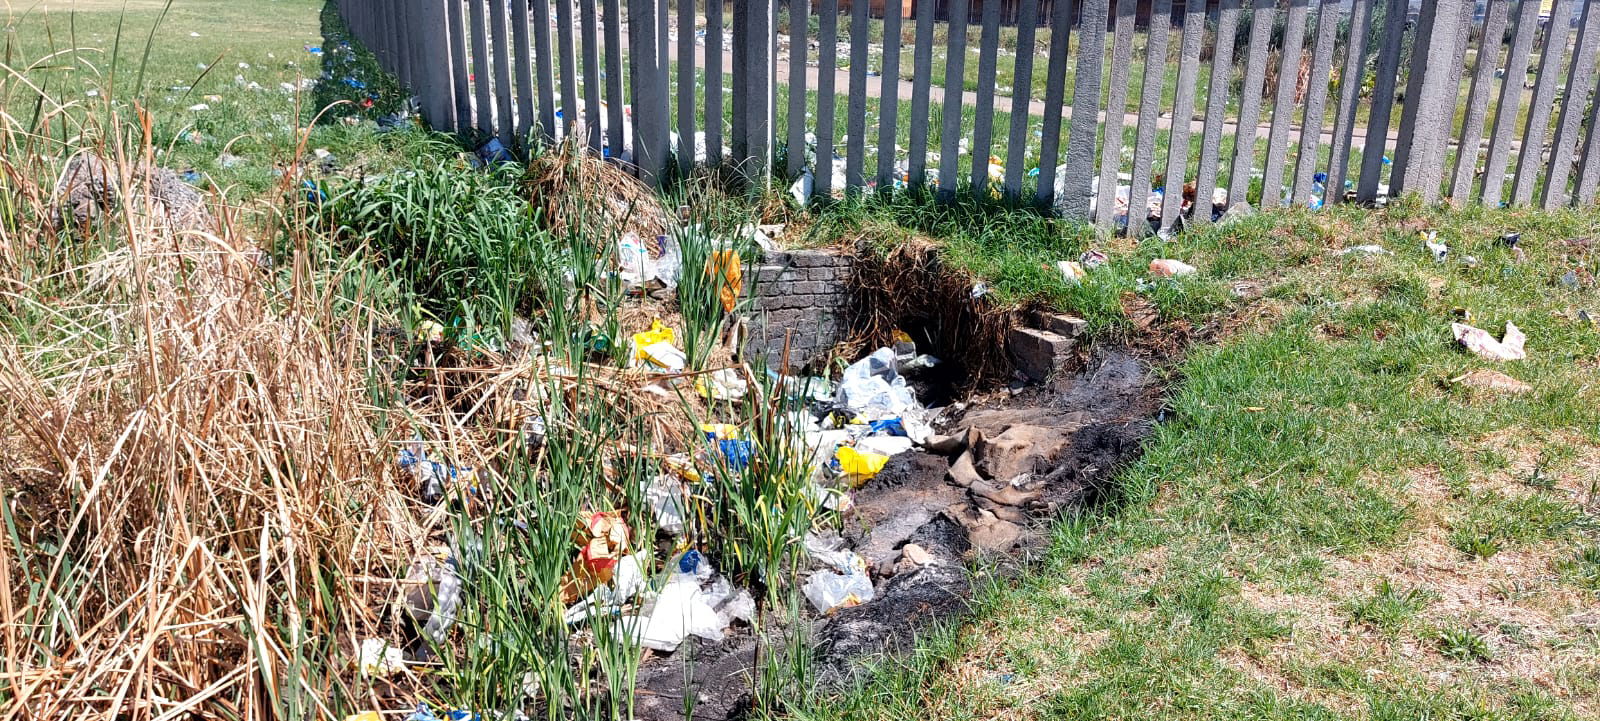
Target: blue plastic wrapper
{"type": "Point", "coordinates": [689, 561]}
{"type": "Point", "coordinates": [892, 426]}
{"type": "Point", "coordinates": [737, 452]}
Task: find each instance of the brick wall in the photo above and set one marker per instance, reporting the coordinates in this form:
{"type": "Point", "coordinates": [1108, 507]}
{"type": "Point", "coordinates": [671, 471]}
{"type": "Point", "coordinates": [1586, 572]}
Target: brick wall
{"type": "Point", "coordinates": [803, 291]}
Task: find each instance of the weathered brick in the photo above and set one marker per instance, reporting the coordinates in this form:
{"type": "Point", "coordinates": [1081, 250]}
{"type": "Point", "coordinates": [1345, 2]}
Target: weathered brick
{"type": "Point", "coordinates": [1037, 353]}
{"type": "Point", "coordinates": [1062, 324]}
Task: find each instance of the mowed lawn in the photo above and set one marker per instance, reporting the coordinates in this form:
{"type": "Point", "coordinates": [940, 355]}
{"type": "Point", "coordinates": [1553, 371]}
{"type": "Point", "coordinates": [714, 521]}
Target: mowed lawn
{"type": "Point", "coordinates": [1327, 525]}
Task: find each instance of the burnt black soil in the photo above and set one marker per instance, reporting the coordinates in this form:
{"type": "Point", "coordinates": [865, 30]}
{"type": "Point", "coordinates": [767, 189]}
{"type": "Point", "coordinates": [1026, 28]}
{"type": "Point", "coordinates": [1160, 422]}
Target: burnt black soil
{"type": "Point", "coordinates": [1059, 447]}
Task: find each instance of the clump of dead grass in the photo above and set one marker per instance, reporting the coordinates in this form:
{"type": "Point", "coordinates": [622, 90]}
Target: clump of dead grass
{"type": "Point", "coordinates": [194, 475]}
{"type": "Point", "coordinates": [554, 178]}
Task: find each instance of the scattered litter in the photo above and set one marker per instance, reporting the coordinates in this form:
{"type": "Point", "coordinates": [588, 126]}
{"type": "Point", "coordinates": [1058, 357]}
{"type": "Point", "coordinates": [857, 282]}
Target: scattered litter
{"type": "Point", "coordinates": [681, 609]}
{"type": "Point", "coordinates": [364, 716]}
{"type": "Point", "coordinates": [1370, 249]}
{"type": "Point", "coordinates": [979, 290]}
{"type": "Point", "coordinates": [872, 389]}
{"type": "Point", "coordinates": [607, 541]}
{"type": "Point", "coordinates": [493, 153]}
{"type": "Point", "coordinates": [655, 348]}
{"type": "Point", "coordinates": [375, 657]}
{"type": "Point", "coordinates": [433, 593]}
{"type": "Point", "coordinates": [1570, 279]}
{"type": "Point", "coordinates": [724, 266]}
{"type": "Point", "coordinates": [228, 160]}
{"type": "Point", "coordinates": [665, 496]}
{"type": "Point", "coordinates": [727, 384]}
{"type": "Point", "coordinates": [1480, 342]}
{"type": "Point", "coordinates": [1092, 259]}
{"type": "Point", "coordinates": [1431, 243]}
{"type": "Point", "coordinates": [199, 107]}
{"type": "Point", "coordinates": [886, 446]}
{"type": "Point", "coordinates": [1071, 271]}
{"type": "Point", "coordinates": [859, 465]}
{"type": "Point", "coordinates": [435, 478]}
{"type": "Point", "coordinates": [1469, 261]}
{"type": "Point", "coordinates": [844, 585]}
{"type": "Point", "coordinates": [1510, 240]}
{"type": "Point", "coordinates": [1490, 380]}
{"type": "Point", "coordinates": [802, 187]}
{"type": "Point", "coordinates": [1169, 268]}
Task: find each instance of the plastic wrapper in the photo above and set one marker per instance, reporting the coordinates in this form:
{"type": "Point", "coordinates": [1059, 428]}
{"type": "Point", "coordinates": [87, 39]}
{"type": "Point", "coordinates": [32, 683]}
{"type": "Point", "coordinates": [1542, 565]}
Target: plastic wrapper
{"type": "Point", "coordinates": [872, 389]}
{"type": "Point", "coordinates": [375, 657]}
{"type": "Point", "coordinates": [829, 591]}
{"type": "Point", "coordinates": [858, 464]}
{"type": "Point", "coordinates": [655, 348]}
{"type": "Point", "coordinates": [723, 385]}
{"type": "Point", "coordinates": [665, 496]}
{"type": "Point", "coordinates": [1169, 268]}
{"type": "Point", "coordinates": [1477, 340]}
{"type": "Point", "coordinates": [681, 610]}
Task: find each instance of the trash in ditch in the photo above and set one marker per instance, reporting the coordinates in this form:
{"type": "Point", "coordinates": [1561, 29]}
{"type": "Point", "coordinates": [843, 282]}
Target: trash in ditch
{"type": "Point", "coordinates": [723, 265]}
{"type": "Point", "coordinates": [666, 499]}
{"type": "Point", "coordinates": [435, 478]}
{"type": "Point", "coordinates": [493, 153]}
{"type": "Point", "coordinates": [669, 267]}
{"type": "Point", "coordinates": [722, 385]}
{"type": "Point", "coordinates": [1370, 249]}
{"type": "Point", "coordinates": [736, 451]}
{"type": "Point", "coordinates": [979, 290]}
{"type": "Point", "coordinates": [1493, 381]}
{"type": "Point", "coordinates": [633, 260]}
{"type": "Point", "coordinates": [872, 389]}
{"type": "Point", "coordinates": [1430, 241]}
{"type": "Point", "coordinates": [1509, 347]}
{"type": "Point", "coordinates": [830, 590]}
{"type": "Point", "coordinates": [884, 446]}
{"type": "Point", "coordinates": [433, 593]}
{"type": "Point", "coordinates": [1470, 261]}
{"type": "Point", "coordinates": [859, 465]}
{"type": "Point", "coordinates": [1071, 271]}
{"type": "Point", "coordinates": [424, 713]}
{"type": "Point", "coordinates": [681, 609]}
{"type": "Point", "coordinates": [606, 540]}
{"type": "Point", "coordinates": [1091, 259]}
{"type": "Point", "coordinates": [627, 580]}
{"type": "Point", "coordinates": [1510, 240]}
{"type": "Point", "coordinates": [802, 188]}
{"type": "Point", "coordinates": [890, 426]}
{"type": "Point", "coordinates": [655, 348]}
{"type": "Point", "coordinates": [364, 716]}
{"type": "Point", "coordinates": [1169, 268]}
{"type": "Point", "coordinates": [375, 657]}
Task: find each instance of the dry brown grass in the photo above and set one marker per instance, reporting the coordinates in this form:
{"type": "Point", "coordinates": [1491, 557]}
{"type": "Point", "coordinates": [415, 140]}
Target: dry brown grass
{"type": "Point", "coordinates": [194, 479]}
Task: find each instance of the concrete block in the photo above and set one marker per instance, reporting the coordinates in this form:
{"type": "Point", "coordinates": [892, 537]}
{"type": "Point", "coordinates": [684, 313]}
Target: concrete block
{"type": "Point", "coordinates": [1037, 353]}
{"type": "Point", "coordinates": [1063, 324]}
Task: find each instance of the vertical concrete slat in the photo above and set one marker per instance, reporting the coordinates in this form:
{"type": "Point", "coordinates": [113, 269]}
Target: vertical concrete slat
{"type": "Point", "coordinates": [687, 72]}
{"type": "Point", "coordinates": [1436, 99]}
{"type": "Point", "coordinates": [888, 99]}
{"type": "Point", "coordinates": [1116, 112]}
{"type": "Point", "coordinates": [1580, 82]}
{"type": "Point", "coordinates": [1055, 91]}
{"type": "Point", "coordinates": [1078, 168]}
{"type": "Point", "coordinates": [1144, 149]}
{"type": "Point", "coordinates": [1205, 180]}
{"type": "Point", "coordinates": [1262, 15]}
{"type": "Point", "coordinates": [954, 73]}
{"type": "Point", "coordinates": [482, 74]}
{"type": "Point", "coordinates": [1283, 105]}
{"type": "Point", "coordinates": [505, 124]}
{"type": "Point", "coordinates": [714, 49]}
{"type": "Point", "coordinates": [983, 114]}
{"type": "Point", "coordinates": [827, 56]}
{"type": "Point", "coordinates": [1510, 103]}
{"type": "Point", "coordinates": [856, 114]}
{"type": "Point", "coordinates": [1316, 102]}
{"type": "Point", "coordinates": [1558, 32]}
{"type": "Point", "coordinates": [1021, 89]}
{"type": "Point", "coordinates": [526, 90]}
{"type": "Point", "coordinates": [799, 11]}
{"type": "Point", "coordinates": [1589, 172]}
{"type": "Point", "coordinates": [1194, 24]}
{"type": "Point", "coordinates": [759, 104]}
{"type": "Point", "coordinates": [1355, 65]}
{"type": "Point", "coordinates": [592, 85]}
{"type": "Point", "coordinates": [921, 79]}
{"type": "Point", "coordinates": [544, 64]}
{"type": "Point", "coordinates": [1485, 65]}
{"type": "Point", "coordinates": [568, 69]}
{"type": "Point", "coordinates": [1420, 58]}
{"type": "Point", "coordinates": [650, 94]}
{"type": "Point", "coordinates": [458, 64]}
{"type": "Point", "coordinates": [615, 123]}
{"type": "Point", "coordinates": [739, 81]}
{"type": "Point", "coordinates": [1387, 74]}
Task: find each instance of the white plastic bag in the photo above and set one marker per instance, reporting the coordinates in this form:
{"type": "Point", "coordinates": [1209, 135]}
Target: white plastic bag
{"type": "Point", "coordinates": [681, 610]}
{"type": "Point", "coordinates": [872, 389]}
{"type": "Point", "coordinates": [665, 496]}
{"type": "Point", "coordinates": [827, 590]}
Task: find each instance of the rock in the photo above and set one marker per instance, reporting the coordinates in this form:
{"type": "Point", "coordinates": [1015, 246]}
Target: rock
{"type": "Point", "coordinates": [917, 554]}
{"type": "Point", "coordinates": [1492, 381]}
{"type": "Point", "coordinates": [89, 188]}
{"type": "Point", "coordinates": [1037, 353]}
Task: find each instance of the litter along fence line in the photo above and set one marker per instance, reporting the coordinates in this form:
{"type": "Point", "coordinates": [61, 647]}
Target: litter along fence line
{"type": "Point", "coordinates": [1357, 100]}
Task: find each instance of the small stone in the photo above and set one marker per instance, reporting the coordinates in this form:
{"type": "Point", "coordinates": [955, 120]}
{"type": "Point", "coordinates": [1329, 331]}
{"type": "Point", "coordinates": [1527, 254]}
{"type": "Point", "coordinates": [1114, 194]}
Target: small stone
{"type": "Point", "coordinates": [1493, 381]}
{"type": "Point", "coordinates": [917, 554]}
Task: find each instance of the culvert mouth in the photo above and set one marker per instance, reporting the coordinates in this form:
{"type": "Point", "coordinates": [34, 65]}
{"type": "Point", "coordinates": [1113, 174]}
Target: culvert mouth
{"type": "Point", "coordinates": [983, 493]}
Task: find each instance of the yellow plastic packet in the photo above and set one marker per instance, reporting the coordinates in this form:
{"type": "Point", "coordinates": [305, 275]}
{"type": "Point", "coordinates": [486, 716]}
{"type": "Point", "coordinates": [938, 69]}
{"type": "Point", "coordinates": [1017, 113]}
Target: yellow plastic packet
{"type": "Point", "coordinates": [724, 265]}
{"type": "Point", "coordinates": [657, 334]}
{"type": "Point", "coordinates": [364, 716]}
{"type": "Point", "coordinates": [860, 464]}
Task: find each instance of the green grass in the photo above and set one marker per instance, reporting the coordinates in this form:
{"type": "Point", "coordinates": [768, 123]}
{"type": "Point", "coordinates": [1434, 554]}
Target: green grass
{"type": "Point", "coordinates": [1259, 563]}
